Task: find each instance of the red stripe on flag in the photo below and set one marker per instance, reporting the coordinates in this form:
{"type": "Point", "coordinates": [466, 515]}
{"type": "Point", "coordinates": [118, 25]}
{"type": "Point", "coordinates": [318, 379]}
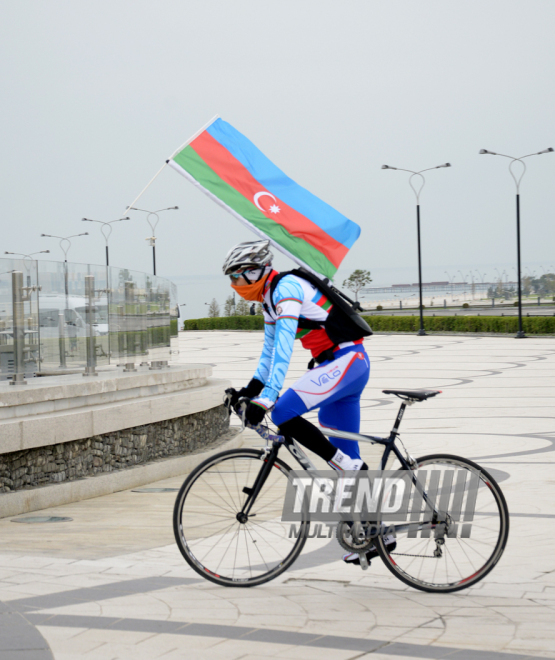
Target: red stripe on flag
{"type": "Point", "coordinates": [230, 170]}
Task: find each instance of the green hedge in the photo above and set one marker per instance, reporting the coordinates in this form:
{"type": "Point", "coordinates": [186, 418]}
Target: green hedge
{"type": "Point", "coordinates": [536, 325]}
{"type": "Point", "coordinates": [226, 323]}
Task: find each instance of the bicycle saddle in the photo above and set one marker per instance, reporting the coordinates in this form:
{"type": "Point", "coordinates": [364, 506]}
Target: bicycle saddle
{"type": "Point", "coordinates": [413, 395]}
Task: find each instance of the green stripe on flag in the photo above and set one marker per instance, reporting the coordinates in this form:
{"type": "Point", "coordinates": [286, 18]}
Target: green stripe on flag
{"type": "Point", "coordinates": [190, 161]}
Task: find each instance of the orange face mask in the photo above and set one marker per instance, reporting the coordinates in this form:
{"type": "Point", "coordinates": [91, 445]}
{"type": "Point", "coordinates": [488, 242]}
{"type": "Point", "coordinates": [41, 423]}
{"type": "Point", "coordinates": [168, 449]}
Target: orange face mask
{"type": "Point", "coordinates": [253, 292]}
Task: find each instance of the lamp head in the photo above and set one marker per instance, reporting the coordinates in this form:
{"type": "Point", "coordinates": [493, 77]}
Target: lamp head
{"type": "Point", "coordinates": [388, 167]}
{"type": "Point", "coordinates": [444, 165]}
{"type": "Point", "coordinates": [485, 151]}
{"type": "Point", "coordinates": [545, 151]}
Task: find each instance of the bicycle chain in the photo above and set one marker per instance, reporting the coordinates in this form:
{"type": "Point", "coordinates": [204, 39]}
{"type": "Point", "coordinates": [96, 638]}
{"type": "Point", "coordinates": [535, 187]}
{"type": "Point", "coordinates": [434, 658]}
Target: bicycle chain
{"type": "Point", "coordinates": [406, 554]}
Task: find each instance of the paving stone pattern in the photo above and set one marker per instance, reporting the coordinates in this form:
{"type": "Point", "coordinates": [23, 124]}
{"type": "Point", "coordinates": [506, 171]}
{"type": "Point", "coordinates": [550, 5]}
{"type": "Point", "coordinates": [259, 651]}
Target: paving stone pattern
{"type": "Point", "coordinates": [112, 585]}
{"type": "Point", "coordinates": [118, 450]}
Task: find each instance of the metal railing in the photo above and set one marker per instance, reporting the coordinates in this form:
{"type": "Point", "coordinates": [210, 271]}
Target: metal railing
{"type": "Point", "coordinates": [59, 317]}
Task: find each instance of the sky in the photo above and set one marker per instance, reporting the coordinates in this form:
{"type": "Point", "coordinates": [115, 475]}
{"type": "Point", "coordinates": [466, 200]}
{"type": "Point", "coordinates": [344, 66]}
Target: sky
{"type": "Point", "coordinates": [97, 95]}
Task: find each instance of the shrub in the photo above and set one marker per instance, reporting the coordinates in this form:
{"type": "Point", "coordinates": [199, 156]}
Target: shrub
{"type": "Point", "coordinates": [379, 308]}
{"type": "Point", "coordinates": [226, 323]}
{"type": "Point", "coordinates": [535, 325]}
{"type": "Point", "coordinates": [515, 304]}
{"type": "Point", "coordinates": [465, 305]}
{"type": "Point", "coordinates": [540, 325]}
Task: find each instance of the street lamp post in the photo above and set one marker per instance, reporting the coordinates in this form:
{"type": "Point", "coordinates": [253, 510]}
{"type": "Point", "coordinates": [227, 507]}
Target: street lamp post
{"type": "Point", "coordinates": [472, 287]}
{"type": "Point", "coordinates": [153, 219]}
{"type": "Point", "coordinates": [106, 230]}
{"type": "Point", "coordinates": [65, 244]}
{"type": "Point", "coordinates": [517, 178]}
{"type": "Point", "coordinates": [27, 256]}
{"type": "Point", "coordinates": [451, 280]}
{"type": "Point", "coordinates": [417, 189]}
{"type": "Point", "coordinates": [482, 277]}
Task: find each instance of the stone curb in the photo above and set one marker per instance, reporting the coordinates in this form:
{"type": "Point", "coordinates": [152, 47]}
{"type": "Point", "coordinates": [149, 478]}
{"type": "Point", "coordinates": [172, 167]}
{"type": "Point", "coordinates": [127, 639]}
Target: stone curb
{"type": "Point", "coordinates": [26, 501]}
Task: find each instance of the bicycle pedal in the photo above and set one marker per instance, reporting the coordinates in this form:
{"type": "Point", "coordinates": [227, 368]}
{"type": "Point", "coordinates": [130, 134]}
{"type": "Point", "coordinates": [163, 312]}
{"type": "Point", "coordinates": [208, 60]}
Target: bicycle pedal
{"type": "Point", "coordinates": [364, 563]}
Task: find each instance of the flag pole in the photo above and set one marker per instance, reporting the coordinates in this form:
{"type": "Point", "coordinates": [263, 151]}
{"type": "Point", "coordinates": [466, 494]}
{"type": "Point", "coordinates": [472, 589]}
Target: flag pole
{"type": "Point", "coordinates": [200, 130]}
{"type": "Point", "coordinates": [168, 160]}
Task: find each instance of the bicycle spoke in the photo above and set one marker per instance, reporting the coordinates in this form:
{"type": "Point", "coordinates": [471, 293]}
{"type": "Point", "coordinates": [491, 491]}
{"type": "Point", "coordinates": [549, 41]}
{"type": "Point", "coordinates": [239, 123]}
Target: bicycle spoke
{"type": "Point", "coordinates": [227, 489]}
{"type": "Point", "coordinates": [247, 547]}
{"type": "Point", "coordinates": [229, 545]}
{"type": "Point", "coordinates": [215, 544]}
{"type": "Point", "coordinates": [463, 560]}
{"type": "Point", "coordinates": [225, 508]}
{"type": "Point", "coordinates": [222, 545]}
{"type": "Point", "coordinates": [257, 548]}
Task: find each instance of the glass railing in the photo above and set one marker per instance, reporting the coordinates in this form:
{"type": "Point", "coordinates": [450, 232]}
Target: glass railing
{"type": "Point", "coordinates": [57, 317]}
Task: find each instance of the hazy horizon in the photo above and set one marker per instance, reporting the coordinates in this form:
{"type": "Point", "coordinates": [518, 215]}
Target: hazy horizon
{"type": "Point", "coordinates": [97, 96]}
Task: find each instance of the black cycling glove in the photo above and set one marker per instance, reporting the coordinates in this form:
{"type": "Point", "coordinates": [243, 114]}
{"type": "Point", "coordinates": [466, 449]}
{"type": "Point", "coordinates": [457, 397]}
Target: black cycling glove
{"type": "Point", "coordinates": [254, 413]}
{"type": "Point", "coordinates": [252, 390]}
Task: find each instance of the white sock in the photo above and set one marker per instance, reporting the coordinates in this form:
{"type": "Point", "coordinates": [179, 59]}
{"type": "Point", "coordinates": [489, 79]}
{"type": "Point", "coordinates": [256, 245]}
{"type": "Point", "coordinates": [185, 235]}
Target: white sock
{"type": "Point", "coordinates": [342, 462]}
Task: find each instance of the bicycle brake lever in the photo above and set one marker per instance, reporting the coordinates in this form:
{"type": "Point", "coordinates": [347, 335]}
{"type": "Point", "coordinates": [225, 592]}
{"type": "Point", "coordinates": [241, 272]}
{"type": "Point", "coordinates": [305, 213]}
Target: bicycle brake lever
{"type": "Point", "coordinates": [241, 409]}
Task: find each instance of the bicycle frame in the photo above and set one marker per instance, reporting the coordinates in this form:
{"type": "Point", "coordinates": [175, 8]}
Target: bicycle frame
{"type": "Point", "coordinates": [274, 442]}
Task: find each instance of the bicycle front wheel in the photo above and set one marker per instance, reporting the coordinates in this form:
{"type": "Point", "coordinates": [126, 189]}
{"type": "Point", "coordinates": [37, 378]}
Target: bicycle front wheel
{"type": "Point", "coordinates": [459, 547]}
{"type": "Point", "coordinates": [212, 539]}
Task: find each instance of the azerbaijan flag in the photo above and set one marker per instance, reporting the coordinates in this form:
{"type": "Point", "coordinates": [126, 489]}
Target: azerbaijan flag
{"type": "Point", "coordinates": [234, 173]}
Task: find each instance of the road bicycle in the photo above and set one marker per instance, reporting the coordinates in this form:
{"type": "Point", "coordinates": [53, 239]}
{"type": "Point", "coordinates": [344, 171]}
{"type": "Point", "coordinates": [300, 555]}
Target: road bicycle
{"type": "Point", "coordinates": [228, 514]}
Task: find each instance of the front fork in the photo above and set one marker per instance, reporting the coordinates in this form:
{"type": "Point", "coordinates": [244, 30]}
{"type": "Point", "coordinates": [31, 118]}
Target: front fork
{"type": "Point", "coordinates": [269, 459]}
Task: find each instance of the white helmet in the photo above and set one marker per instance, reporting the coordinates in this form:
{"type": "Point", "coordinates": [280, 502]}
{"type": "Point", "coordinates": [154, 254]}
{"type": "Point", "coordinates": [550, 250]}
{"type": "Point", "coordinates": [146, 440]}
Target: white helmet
{"type": "Point", "coordinates": [249, 253]}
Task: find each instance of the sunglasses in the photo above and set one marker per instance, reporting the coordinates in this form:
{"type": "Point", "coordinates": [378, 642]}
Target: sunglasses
{"type": "Point", "coordinates": [237, 275]}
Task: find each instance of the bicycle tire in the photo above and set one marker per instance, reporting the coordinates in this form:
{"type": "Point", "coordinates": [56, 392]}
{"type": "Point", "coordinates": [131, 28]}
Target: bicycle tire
{"type": "Point", "coordinates": [490, 527]}
{"type": "Point", "coordinates": [212, 495]}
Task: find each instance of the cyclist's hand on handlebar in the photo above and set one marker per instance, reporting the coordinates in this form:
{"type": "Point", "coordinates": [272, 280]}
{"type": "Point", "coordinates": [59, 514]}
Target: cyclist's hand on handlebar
{"type": "Point", "coordinates": [232, 397]}
{"type": "Point", "coordinates": [254, 413]}
{"type": "Point", "coordinates": [250, 391]}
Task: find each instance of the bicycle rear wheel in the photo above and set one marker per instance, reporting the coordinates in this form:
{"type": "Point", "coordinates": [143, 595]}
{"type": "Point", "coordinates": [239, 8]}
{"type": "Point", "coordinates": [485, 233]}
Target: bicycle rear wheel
{"type": "Point", "coordinates": [211, 538]}
{"type": "Point", "coordinates": [472, 541]}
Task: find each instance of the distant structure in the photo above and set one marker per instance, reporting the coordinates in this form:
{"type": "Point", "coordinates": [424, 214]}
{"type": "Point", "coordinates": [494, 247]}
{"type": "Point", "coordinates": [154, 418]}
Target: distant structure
{"type": "Point", "coordinates": [435, 287]}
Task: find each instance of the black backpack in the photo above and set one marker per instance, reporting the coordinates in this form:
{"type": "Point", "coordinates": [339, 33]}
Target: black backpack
{"type": "Point", "coordinates": [343, 323]}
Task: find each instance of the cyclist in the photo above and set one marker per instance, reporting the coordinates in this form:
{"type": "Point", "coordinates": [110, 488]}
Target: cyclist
{"type": "Point", "coordinates": [334, 387]}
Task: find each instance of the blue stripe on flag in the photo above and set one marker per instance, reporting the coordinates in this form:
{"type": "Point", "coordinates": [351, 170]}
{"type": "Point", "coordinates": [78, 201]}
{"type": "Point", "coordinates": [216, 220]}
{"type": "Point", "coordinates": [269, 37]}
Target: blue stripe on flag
{"type": "Point", "coordinates": [335, 224]}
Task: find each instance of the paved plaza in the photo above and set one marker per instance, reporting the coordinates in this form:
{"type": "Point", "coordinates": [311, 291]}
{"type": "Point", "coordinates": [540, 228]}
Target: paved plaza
{"type": "Point", "coordinates": [111, 584]}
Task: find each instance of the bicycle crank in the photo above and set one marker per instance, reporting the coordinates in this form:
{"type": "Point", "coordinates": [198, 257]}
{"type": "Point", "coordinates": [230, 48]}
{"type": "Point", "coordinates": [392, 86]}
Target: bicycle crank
{"type": "Point", "coordinates": [352, 537]}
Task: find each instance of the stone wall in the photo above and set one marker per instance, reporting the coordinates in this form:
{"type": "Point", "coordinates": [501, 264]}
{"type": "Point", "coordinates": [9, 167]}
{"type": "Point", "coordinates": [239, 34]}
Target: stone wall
{"type": "Point", "coordinates": [118, 450]}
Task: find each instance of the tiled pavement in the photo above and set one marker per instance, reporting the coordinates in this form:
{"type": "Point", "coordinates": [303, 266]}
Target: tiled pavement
{"type": "Point", "coordinates": [111, 583]}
